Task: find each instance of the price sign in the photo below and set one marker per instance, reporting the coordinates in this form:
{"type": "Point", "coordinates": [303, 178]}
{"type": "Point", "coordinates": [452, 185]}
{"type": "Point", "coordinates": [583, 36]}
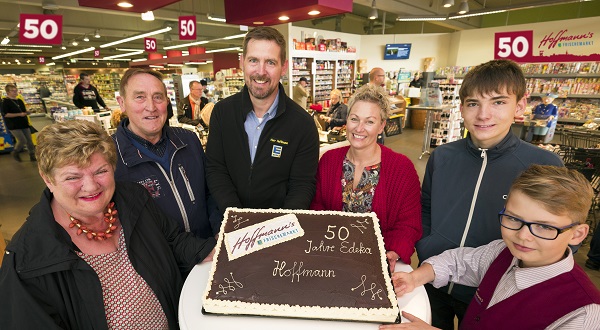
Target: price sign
{"type": "Point", "coordinates": [150, 45]}
{"type": "Point", "coordinates": [41, 60]}
{"type": "Point", "coordinates": [516, 45]}
{"type": "Point", "coordinates": [187, 27]}
{"type": "Point", "coordinates": [96, 52]}
{"type": "Point", "coordinates": [40, 29]}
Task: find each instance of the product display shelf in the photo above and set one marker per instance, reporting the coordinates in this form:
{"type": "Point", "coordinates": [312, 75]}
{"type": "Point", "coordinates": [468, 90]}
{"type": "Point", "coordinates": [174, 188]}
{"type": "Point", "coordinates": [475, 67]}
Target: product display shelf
{"type": "Point", "coordinates": [56, 85]}
{"type": "Point", "coordinates": [171, 91]}
{"type": "Point", "coordinates": [70, 82]}
{"type": "Point", "coordinates": [344, 79]}
{"type": "Point", "coordinates": [301, 67]}
{"type": "Point", "coordinates": [446, 124]}
{"type": "Point", "coordinates": [323, 84]}
{"type": "Point", "coordinates": [234, 83]}
{"type": "Point", "coordinates": [6, 142]}
{"type": "Point", "coordinates": [107, 84]}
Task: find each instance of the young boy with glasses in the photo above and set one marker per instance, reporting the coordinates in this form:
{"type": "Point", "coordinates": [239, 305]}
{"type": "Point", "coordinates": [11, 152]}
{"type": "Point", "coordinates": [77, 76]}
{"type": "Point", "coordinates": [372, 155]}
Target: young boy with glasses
{"type": "Point", "coordinates": [528, 279]}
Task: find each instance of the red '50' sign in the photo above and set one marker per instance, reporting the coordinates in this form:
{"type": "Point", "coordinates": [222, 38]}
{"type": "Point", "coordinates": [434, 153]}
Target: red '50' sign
{"type": "Point", "coordinates": [40, 29]}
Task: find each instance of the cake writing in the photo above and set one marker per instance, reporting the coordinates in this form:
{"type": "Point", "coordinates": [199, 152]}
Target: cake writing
{"type": "Point", "coordinates": [238, 220]}
{"type": "Point", "coordinates": [231, 285]}
{"type": "Point", "coordinates": [262, 235]}
{"type": "Point", "coordinates": [370, 289]}
{"type": "Point", "coordinates": [360, 225]}
{"type": "Point", "coordinates": [298, 270]}
{"type": "Point", "coordinates": [345, 247]}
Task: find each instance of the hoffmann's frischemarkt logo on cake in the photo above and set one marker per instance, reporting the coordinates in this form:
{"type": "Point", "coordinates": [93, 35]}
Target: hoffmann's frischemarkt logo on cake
{"type": "Point", "coordinates": [296, 263]}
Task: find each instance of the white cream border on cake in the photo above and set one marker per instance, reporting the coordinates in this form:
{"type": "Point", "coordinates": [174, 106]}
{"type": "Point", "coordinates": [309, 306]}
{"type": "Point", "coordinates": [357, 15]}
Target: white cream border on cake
{"type": "Point", "coordinates": [344, 313]}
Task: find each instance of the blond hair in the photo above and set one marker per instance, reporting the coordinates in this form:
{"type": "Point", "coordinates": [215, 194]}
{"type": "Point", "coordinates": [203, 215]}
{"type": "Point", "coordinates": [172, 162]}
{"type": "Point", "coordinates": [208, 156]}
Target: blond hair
{"type": "Point", "coordinates": [373, 94]}
{"type": "Point", "coordinates": [72, 142]}
{"type": "Point", "coordinates": [560, 190]}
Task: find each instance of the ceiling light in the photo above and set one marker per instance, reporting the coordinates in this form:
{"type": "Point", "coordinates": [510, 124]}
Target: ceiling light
{"type": "Point", "coordinates": [283, 18]}
{"type": "Point", "coordinates": [472, 13]}
{"type": "Point", "coordinates": [235, 36]}
{"type": "Point", "coordinates": [50, 64]}
{"type": "Point", "coordinates": [63, 47]}
{"type": "Point", "coordinates": [97, 34]}
{"type": "Point", "coordinates": [5, 41]}
{"type": "Point", "coordinates": [222, 50]}
{"type": "Point", "coordinates": [448, 3]}
{"type": "Point", "coordinates": [464, 7]}
{"type": "Point", "coordinates": [139, 36]}
{"type": "Point", "coordinates": [137, 52]}
{"type": "Point", "coordinates": [420, 18]}
{"type": "Point", "coordinates": [148, 16]}
{"type": "Point", "coordinates": [124, 4]}
{"type": "Point", "coordinates": [373, 14]}
{"type": "Point", "coordinates": [258, 23]}
{"type": "Point", "coordinates": [216, 18]}
{"type": "Point", "coordinates": [89, 49]}
{"type": "Point", "coordinates": [85, 38]}
{"type": "Point", "coordinates": [74, 43]}
{"type": "Point", "coordinates": [314, 12]}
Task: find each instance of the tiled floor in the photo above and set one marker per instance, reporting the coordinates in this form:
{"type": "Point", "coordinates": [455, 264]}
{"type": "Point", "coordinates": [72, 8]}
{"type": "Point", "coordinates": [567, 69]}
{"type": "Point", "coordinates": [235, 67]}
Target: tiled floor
{"type": "Point", "coordinates": [21, 185]}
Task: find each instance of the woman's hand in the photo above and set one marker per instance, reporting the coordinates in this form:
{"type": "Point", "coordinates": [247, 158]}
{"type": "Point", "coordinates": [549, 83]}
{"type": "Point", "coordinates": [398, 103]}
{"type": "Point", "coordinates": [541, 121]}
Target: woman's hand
{"type": "Point", "coordinates": [415, 323]}
{"type": "Point", "coordinates": [403, 283]}
{"type": "Point", "coordinates": [392, 258]}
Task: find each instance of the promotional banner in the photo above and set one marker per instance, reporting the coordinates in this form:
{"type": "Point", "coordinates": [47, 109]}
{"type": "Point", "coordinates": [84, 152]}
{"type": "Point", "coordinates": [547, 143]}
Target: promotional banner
{"type": "Point", "coordinates": [150, 45]}
{"type": "Point", "coordinates": [560, 45]}
{"type": "Point", "coordinates": [40, 29]}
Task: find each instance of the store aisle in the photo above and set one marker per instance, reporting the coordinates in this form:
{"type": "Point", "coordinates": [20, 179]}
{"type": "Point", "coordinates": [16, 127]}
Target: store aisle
{"type": "Point", "coordinates": [21, 185]}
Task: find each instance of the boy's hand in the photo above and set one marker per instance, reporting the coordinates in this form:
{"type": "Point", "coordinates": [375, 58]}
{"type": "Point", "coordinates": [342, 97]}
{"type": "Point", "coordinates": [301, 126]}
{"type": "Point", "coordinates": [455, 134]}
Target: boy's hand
{"type": "Point", "coordinates": [403, 283]}
{"type": "Point", "coordinates": [415, 323]}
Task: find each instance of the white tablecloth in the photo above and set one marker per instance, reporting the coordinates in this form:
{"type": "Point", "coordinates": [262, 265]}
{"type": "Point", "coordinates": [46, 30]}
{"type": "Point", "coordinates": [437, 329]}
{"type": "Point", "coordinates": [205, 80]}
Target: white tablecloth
{"type": "Point", "coordinates": [191, 317]}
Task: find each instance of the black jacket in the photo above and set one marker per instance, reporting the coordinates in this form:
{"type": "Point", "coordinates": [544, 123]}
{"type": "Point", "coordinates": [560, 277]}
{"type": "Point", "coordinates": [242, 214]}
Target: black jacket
{"type": "Point", "coordinates": [87, 97]}
{"type": "Point", "coordinates": [338, 114]}
{"type": "Point", "coordinates": [45, 285]}
{"type": "Point", "coordinates": [14, 106]}
{"type": "Point", "coordinates": [274, 180]}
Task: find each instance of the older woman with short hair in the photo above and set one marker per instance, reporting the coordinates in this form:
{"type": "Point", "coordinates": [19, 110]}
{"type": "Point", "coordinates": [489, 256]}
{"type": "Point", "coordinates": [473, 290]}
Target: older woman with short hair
{"type": "Point", "coordinates": [77, 262]}
{"type": "Point", "coordinates": [368, 177]}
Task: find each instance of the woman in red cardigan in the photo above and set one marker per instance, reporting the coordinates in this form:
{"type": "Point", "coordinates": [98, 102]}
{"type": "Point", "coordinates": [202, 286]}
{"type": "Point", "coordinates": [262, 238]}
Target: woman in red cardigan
{"type": "Point", "coordinates": [368, 177]}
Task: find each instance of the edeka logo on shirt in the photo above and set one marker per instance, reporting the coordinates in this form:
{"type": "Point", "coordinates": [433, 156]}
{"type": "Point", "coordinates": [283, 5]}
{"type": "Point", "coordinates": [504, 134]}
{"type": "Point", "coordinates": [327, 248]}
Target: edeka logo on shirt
{"type": "Point", "coordinates": [276, 152]}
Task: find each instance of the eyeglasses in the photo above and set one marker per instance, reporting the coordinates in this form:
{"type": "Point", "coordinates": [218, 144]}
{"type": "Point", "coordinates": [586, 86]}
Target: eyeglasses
{"type": "Point", "coordinates": [540, 230]}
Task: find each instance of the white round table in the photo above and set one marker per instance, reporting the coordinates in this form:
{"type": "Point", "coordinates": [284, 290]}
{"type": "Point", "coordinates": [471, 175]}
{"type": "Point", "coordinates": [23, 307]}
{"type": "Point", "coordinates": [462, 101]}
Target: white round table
{"type": "Point", "coordinates": [191, 317]}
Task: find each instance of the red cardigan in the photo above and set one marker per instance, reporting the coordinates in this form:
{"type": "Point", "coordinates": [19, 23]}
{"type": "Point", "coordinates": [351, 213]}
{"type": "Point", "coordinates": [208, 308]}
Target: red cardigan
{"type": "Point", "coordinates": [397, 199]}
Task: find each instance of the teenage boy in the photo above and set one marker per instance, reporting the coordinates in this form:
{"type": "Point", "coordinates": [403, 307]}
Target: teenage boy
{"type": "Point", "coordinates": [467, 181]}
{"type": "Point", "coordinates": [528, 279]}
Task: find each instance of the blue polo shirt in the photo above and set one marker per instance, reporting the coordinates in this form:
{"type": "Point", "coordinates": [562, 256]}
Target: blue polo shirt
{"type": "Point", "coordinates": [254, 126]}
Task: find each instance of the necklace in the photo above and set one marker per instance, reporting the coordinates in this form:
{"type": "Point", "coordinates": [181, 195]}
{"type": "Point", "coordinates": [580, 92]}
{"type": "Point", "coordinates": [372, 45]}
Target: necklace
{"type": "Point", "coordinates": [110, 216]}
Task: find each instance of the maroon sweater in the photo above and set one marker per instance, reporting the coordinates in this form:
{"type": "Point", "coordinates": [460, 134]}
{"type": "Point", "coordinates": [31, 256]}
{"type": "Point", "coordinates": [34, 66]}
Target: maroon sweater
{"type": "Point", "coordinates": [397, 198]}
{"type": "Point", "coordinates": [533, 308]}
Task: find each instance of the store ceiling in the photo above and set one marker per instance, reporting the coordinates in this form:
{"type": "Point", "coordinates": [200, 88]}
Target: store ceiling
{"type": "Point", "coordinates": [112, 25]}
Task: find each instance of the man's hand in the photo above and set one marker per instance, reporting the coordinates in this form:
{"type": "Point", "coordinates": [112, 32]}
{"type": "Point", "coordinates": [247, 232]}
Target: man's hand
{"type": "Point", "coordinates": [210, 256]}
{"type": "Point", "coordinates": [415, 323]}
{"type": "Point", "coordinates": [403, 283]}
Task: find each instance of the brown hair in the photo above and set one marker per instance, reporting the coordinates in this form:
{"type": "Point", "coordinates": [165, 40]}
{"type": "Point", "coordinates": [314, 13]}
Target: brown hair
{"type": "Point", "coordinates": [135, 71]}
{"type": "Point", "coordinates": [494, 76]}
{"type": "Point", "coordinates": [72, 142]}
{"type": "Point", "coordinates": [560, 190]}
{"type": "Point", "coordinates": [373, 94]}
{"type": "Point", "coordinates": [267, 33]}
{"type": "Point", "coordinates": [10, 86]}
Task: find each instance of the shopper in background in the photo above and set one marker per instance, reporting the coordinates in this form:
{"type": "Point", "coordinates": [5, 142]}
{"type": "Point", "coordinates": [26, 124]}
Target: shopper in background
{"type": "Point", "coordinates": [377, 77]}
{"type": "Point", "coordinates": [531, 268]}
{"type": "Point", "coordinates": [338, 111]}
{"type": "Point", "coordinates": [77, 263]}
{"type": "Point", "coordinates": [545, 111]}
{"type": "Point", "coordinates": [300, 93]}
{"type": "Point", "coordinates": [263, 148]}
{"type": "Point", "coordinates": [86, 95]}
{"type": "Point", "coordinates": [17, 122]}
{"type": "Point", "coordinates": [466, 181]}
{"type": "Point", "coordinates": [44, 92]}
{"type": "Point", "coordinates": [366, 176]}
{"type": "Point", "coordinates": [417, 81]}
{"type": "Point", "coordinates": [192, 106]}
{"type": "Point", "coordinates": [168, 161]}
